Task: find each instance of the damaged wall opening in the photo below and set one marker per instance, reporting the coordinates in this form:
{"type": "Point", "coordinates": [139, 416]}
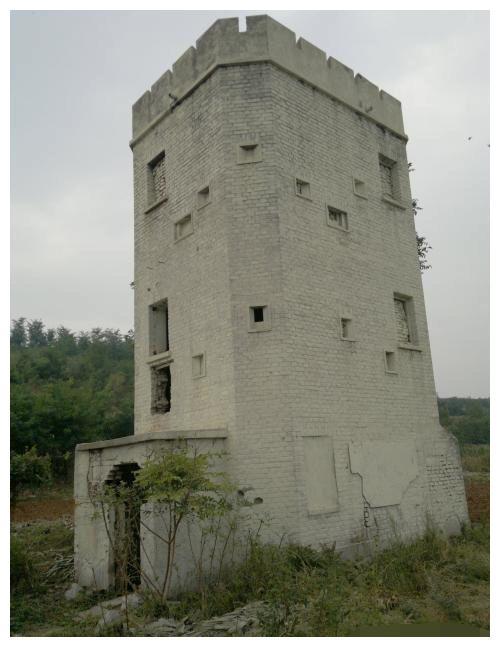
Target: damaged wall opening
{"type": "Point", "coordinates": [161, 389]}
{"type": "Point", "coordinates": [126, 529]}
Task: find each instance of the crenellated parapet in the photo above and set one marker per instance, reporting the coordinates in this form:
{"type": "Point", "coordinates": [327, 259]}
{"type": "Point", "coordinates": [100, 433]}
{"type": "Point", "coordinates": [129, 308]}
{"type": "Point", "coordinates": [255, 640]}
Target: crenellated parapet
{"type": "Point", "coordinates": [264, 40]}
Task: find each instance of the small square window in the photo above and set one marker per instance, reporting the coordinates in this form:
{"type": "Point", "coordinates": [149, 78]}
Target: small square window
{"type": "Point", "coordinates": [359, 187]}
{"type": "Point", "coordinates": [260, 319]}
{"type": "Point", "coordinates": [337, 218]}
{"type": "Point", "coordinates": [183, 227]}
{"type": "Point", "coordinates": [249, 153]}
{"type": "Point", "coordinates": [302, 188]}
{"type": "Point", "coordinates": [203, 197]}
{"type": "Point", "coordinates": [258, 314]}
{"type": "Point", "coordinates": [156, 180]}
{"type": "Point", "coordinates": [345, 328]}
{"type": "Point", "coordinates": [390, 361]}
{"type": "Point", "coordinates": [198, 365]}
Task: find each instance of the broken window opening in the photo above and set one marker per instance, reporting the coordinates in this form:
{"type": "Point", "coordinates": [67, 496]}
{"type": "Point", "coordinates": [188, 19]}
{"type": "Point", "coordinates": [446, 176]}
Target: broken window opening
{"type": "Point", "coordinates": [157, 183]}
{"type": "Point", "coordinates": [388, 178]}
{"type": "Point", "coordinates": [402, 321]}
{"type": "Point", "coordinates": [161, 390]}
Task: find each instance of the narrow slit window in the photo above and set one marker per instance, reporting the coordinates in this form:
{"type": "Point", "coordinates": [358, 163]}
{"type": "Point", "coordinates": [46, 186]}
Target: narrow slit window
{"type": "Point", "coordinates": [198, 365]}
{"type": "Point", "coordinates": [345, 328]}
{"type": "Point", "coordinates": [388, 179]}
{"type": "Point", "coordinates": [157, 183]}
{"type": "Point", "coordinates": [390, 361]}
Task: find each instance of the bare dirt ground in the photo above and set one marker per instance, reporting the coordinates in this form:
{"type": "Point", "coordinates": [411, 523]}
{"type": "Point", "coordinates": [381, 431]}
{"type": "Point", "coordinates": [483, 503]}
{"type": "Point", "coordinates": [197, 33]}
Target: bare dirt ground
{"type": "Point", "coordinates": [51, 504]}
{"type": "Point", "coordinates": [54, 507]}
{"type": "Point", "coordinates": [478, 499]}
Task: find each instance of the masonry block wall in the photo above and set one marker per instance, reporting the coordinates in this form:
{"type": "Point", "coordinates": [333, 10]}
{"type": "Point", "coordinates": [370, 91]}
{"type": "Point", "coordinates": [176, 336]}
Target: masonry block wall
{"type": "Point", "coordinates": [309, 222]}
{"type": "Point", "coordinates": [278, 297]}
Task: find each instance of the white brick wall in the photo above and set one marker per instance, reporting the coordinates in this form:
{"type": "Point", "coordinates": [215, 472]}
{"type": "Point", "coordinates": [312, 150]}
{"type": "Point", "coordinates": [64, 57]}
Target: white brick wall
{"type": "Point", "coordinates": [258, 243]}
{"type": "Point", "coordinates": [278, 392]}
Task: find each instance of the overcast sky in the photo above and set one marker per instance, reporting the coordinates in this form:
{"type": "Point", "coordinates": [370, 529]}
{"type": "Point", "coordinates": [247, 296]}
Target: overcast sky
{"type": "Point", "coordinates": [75, 76]}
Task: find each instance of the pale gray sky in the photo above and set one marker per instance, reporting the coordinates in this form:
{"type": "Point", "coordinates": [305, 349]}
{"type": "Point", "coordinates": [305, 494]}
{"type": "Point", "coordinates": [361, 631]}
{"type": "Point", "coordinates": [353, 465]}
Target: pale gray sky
{"type": "Point", "coordinates": [75, 76]}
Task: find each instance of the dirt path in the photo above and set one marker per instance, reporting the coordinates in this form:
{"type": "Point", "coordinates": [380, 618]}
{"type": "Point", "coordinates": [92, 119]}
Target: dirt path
{"type": "Point", "coordinates": [478, 499]}
{"type": "Point", "coordinates": [48, 509]}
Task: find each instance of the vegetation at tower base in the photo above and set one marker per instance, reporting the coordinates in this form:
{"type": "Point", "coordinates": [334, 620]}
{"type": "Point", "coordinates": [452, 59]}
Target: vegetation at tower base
{"type": "Point", "coordinates": [180, 489]}
{"type": "Point", "coordinates": [301, 591]}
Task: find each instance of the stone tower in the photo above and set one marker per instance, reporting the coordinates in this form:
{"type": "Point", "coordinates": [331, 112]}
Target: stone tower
{"type": "Point", "coordinates": [279, 312]}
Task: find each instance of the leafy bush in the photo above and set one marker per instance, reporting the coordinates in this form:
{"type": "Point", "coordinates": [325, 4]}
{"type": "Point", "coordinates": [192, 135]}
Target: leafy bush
{"type": "Point", "coordinates": [23, 574]}
{"type": "Point", "coordinates": [28, 470]}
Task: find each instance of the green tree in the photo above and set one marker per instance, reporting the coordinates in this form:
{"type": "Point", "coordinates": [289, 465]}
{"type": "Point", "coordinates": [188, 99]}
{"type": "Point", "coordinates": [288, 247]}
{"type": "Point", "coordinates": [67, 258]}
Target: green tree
{"type": "Point", "coordinates": [28, 471]}
{"type": "Point", "coordinates": [18, 336]}
{"type": "Point", "coordinates": [182, 487]}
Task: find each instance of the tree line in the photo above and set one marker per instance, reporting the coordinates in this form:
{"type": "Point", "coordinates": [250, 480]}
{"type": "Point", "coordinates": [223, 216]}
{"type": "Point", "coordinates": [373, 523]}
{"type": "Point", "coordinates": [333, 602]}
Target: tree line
{"type": "Point", "coordinates": [68, 388]}
{"type": "Point", "coordinates": [467, 418]}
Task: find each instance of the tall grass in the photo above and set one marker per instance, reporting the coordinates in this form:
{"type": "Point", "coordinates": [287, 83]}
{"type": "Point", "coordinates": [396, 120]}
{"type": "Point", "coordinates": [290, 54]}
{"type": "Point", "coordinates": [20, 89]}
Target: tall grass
{"type": "Point", "coordinates": [476, 458]}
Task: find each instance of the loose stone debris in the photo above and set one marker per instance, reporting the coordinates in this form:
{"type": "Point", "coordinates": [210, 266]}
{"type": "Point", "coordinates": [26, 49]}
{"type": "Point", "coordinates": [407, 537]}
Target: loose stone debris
{"type": "Point", "coordinates": [240, 622]}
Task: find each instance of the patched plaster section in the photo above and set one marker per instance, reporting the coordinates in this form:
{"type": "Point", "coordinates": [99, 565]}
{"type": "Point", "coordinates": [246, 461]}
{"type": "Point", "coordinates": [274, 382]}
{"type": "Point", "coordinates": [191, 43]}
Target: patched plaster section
{"type": "Point", "coordinates": [386, 470]}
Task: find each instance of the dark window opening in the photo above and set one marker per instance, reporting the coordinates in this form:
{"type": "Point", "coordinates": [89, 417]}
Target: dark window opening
{"type": "Point", "coordinates": [258, 314]}
{"type": "Point", "coordinates": [345, 328]}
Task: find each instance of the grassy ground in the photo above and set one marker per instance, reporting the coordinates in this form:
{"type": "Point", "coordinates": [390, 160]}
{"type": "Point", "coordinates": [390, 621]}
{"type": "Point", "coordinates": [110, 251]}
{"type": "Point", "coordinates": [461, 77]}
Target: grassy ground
{"type": "Point", "coordinates": [309, 593]}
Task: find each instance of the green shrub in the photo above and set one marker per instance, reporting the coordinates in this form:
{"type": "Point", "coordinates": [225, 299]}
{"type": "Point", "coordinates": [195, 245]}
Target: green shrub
{"type": "Point", "coordinates": [23, 574]}
{"type": "Point", "coordinates": [28, 470]}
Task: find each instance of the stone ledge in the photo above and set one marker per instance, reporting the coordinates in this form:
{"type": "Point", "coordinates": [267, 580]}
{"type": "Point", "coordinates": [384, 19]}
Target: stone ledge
{"type": "Point", "coordinates": [195, 434]}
